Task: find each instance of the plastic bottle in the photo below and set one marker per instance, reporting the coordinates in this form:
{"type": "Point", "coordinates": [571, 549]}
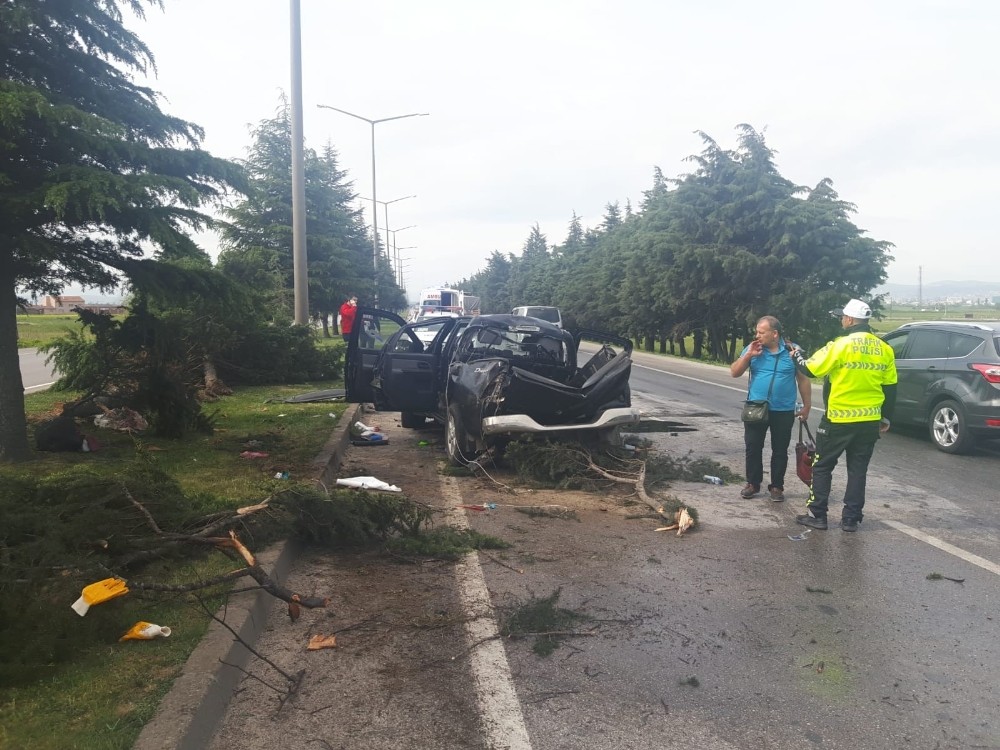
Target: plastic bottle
{"type": "Point", "coordinates": [712, 480]}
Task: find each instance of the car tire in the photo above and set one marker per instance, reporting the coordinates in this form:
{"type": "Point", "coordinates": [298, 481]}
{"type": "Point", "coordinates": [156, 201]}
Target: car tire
{"type": "Point", "coordinates": [949, 429]}
{"type": "Point", "coordinates": [411, 421]}
{"type": "Point", "coordinates": [455, 440]}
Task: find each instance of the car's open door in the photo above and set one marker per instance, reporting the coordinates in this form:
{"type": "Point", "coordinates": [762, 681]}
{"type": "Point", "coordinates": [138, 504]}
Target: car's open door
{"type": "Point", "coordinates": [373, 329]}
{"type": "Point", "coordinates": [408, 375]}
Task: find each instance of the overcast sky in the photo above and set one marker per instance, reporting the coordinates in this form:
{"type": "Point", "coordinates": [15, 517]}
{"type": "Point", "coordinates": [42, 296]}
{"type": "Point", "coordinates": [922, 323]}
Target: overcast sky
{"type": "Point", "coordinates": [540, 108]}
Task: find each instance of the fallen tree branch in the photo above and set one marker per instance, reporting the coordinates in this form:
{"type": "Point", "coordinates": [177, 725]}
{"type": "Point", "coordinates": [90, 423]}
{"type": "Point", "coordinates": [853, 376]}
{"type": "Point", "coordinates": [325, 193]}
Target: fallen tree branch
{"type": "Point", "coordinates": [242, 642]}
{"type": "Point", "coordinates": [636, 481]}
{"type": "Point", "coordinates": [229, 545]}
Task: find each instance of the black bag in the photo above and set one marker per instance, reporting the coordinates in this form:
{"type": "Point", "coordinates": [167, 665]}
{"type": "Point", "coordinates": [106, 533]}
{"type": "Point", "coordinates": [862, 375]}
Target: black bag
{"type": "Point", "coordinates": [755, 412]}
{"type": "Point", "coordinates": [805, 454]}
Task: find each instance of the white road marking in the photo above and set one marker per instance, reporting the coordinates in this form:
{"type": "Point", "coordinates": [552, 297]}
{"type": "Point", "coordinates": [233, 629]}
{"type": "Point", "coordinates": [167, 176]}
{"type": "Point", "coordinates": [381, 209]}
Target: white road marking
{"type": "Point", "coordinates": [951, 549]}
{"type": "Point", "coordinates": [499, 709]}
{"type": "Point", "coordinates": [38, 387]}
{"type": "Point", "coordinates": [687, 377]}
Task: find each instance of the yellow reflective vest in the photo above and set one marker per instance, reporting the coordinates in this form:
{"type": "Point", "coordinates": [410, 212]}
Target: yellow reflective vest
{"type": "Point", "coordinates": [856, 366]}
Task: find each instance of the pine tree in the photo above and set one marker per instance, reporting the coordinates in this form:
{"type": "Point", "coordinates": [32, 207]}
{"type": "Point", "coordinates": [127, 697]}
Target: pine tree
{"type": "Point", "coordinates": [257, 243]}
{"type": "Point", "coordinates": [91, 170]}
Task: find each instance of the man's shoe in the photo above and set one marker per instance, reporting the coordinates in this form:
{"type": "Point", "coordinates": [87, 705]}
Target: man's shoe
{"type": "Point", "coordinates": [749, 491]}
{"type": "Point", "coordinates": [811, 522]}
{"type": "Point", "coordinates": [777, 495]}
{"type": "Point", "coordinates": [849, 524]}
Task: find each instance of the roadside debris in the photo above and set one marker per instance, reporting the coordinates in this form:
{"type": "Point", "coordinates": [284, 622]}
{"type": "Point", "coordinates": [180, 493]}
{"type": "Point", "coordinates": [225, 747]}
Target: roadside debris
{"type": "Point", "coordinates": [373, 439]}
{"type": "Point", "coordinates": [145, 631]}
{"type": "Point", "coordinates": [939, 577]}
{"type": "Point", "coordinates": [252, 508]}
{"type": "Point", "coordinates": [98, 593]}
{"type": "Point", "coordinates": [59, 434]}
{"type": "Point", "coordinates": [333, 394]}
{"type": "Point", "coordinates": [322, 641]}
{"type": "Point", "coordinates": [122, 419]}
{"type": "Point", "coordinates": [254, 454]}
{"type": "Point", "coordinates": [712, 480]}
{"type": "Point", "coordinates": [800, 537]}
{"type": "Point", "coordinates": [367, 483]}
{"type": "Point", "coordinates": [683, 522]}
{"type": "Point", "coordinates": [362, 434]}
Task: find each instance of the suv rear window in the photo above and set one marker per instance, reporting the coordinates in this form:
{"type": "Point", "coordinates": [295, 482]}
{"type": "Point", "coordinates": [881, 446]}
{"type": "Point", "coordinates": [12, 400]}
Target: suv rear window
{"type": "Point", "coordinates": [960, 345]}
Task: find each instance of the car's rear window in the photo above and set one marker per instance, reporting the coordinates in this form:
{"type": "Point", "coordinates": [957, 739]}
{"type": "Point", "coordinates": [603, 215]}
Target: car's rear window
{"type": "Point", "coordinates": [962, 345]}
{"type": "Point", "coordinates": [550, 314]}
{"type": "Point", "coordinates": [996, 344]}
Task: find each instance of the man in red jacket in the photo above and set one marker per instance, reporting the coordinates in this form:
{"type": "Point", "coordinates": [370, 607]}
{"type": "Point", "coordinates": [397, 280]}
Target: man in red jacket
{"type": "Point", "coordinates": [347, 312]}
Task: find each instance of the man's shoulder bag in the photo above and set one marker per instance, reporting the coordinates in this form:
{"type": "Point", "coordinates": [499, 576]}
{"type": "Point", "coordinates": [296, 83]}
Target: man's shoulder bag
{"type": "Point", "coordinates": [756, 412]}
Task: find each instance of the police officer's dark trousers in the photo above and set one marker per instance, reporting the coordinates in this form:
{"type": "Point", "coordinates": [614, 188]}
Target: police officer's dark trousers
{"type": "Point", "coordinates": [857, 441]}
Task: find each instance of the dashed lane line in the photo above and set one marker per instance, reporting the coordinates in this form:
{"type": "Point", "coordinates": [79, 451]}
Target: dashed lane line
{"type": "Point", "coordinates": [499, 709]}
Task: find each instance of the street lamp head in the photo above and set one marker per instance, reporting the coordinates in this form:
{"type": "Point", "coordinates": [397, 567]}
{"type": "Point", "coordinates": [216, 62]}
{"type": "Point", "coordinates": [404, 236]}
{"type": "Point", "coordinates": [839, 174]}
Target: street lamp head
{"type": "Point", "coordinates": [374, 198]}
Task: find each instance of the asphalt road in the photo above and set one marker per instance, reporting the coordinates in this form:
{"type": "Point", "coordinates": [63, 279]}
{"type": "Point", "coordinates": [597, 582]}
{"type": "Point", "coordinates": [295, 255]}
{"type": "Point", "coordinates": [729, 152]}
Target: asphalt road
{"type": "Point", "coordinates": [35, 374]}
{"type": "Point", "coordinates": [740, 637]}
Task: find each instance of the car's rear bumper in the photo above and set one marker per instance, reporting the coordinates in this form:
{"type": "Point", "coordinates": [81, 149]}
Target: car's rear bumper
{"type": "Point", "coordinates": [522, 423]}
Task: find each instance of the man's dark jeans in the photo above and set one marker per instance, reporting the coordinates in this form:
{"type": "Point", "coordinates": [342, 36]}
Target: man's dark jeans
{"type": "Point", "coordinates": [857, 440]}
{"type": "Point", "coordinates": [754, 434]}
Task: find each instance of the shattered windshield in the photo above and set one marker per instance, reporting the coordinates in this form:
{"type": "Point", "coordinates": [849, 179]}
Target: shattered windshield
{"type": "Point", "coordinates": [520, 343]}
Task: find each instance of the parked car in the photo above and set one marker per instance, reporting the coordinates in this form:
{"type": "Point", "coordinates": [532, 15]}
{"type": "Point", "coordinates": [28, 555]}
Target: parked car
{"type": "Point", "coordinates": [949, 380]}
{"type": "Point", "coordinates": [551, 314]}
{"type": "Point", "coordinates": [491, 378]}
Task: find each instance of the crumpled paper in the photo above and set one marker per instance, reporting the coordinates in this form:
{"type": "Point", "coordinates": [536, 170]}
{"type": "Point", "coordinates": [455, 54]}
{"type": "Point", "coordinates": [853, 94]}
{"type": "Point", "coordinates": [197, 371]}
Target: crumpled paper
{"type": "Point", "coordinates": [367, 483]}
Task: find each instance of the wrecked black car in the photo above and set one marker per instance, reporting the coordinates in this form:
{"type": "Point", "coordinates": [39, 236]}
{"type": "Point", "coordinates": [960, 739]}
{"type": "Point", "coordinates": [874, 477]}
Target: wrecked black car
{"type": "Point", "coordinates": [490, 378]}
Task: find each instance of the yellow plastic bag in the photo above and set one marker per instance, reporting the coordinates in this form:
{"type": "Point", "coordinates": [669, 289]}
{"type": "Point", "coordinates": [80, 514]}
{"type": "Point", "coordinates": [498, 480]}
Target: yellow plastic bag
{"type": "Point", "coordinates": [98, 593]}
{"type": "Point", "coordinates": [145, 631]}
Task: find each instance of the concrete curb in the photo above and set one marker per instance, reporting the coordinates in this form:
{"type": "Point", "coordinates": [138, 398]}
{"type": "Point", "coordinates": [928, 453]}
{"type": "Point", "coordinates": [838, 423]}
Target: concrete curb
{"type": "Point", "coordinates": [190, 713]}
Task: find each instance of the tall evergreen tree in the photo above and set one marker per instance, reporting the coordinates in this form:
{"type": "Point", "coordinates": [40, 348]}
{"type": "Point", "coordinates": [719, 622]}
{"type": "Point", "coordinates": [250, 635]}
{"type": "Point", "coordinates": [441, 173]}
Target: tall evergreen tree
{"type": "Point", "coordinates": [91, 170]}
{"type": "Point", "coordinates": [257, 242]}
{"type": "Point", "coordinates": [532, 281]}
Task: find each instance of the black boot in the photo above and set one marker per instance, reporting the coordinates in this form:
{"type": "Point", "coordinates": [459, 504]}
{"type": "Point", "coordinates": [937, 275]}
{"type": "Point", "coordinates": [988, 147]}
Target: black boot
{"type": "Point", "coordinates": [812, 522]}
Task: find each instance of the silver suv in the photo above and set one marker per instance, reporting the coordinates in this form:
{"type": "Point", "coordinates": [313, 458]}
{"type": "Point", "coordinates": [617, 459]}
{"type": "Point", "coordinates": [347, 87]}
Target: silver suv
{"type": "Point", "coordinates": [949, 380]}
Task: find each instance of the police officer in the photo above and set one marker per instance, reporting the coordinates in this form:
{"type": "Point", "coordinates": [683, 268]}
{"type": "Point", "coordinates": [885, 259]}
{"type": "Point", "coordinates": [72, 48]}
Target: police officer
{"type": "Point", "coordinates": [860, 393]}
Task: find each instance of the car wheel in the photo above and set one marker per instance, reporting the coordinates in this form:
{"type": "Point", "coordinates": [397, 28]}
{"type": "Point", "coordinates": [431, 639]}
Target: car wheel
{"type": "Point", "coordinates": [455, 439]}
{"type": "Point", "coordinates": [949, 429]}
{"type": "Point", "coordinates": [410, 420]}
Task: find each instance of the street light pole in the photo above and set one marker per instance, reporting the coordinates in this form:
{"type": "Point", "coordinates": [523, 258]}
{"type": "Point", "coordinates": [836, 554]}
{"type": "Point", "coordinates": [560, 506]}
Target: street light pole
{"type": "Point", "coordinates": [300, 278]}
{"type": "Point", "coordinates": [399, 263]}
{"type": "Point", "coordinates": [392, 255]}
{"type": "Point", "coordinates": [373, 123]}
{"type": "Point", "coordinates": [385, 205]}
